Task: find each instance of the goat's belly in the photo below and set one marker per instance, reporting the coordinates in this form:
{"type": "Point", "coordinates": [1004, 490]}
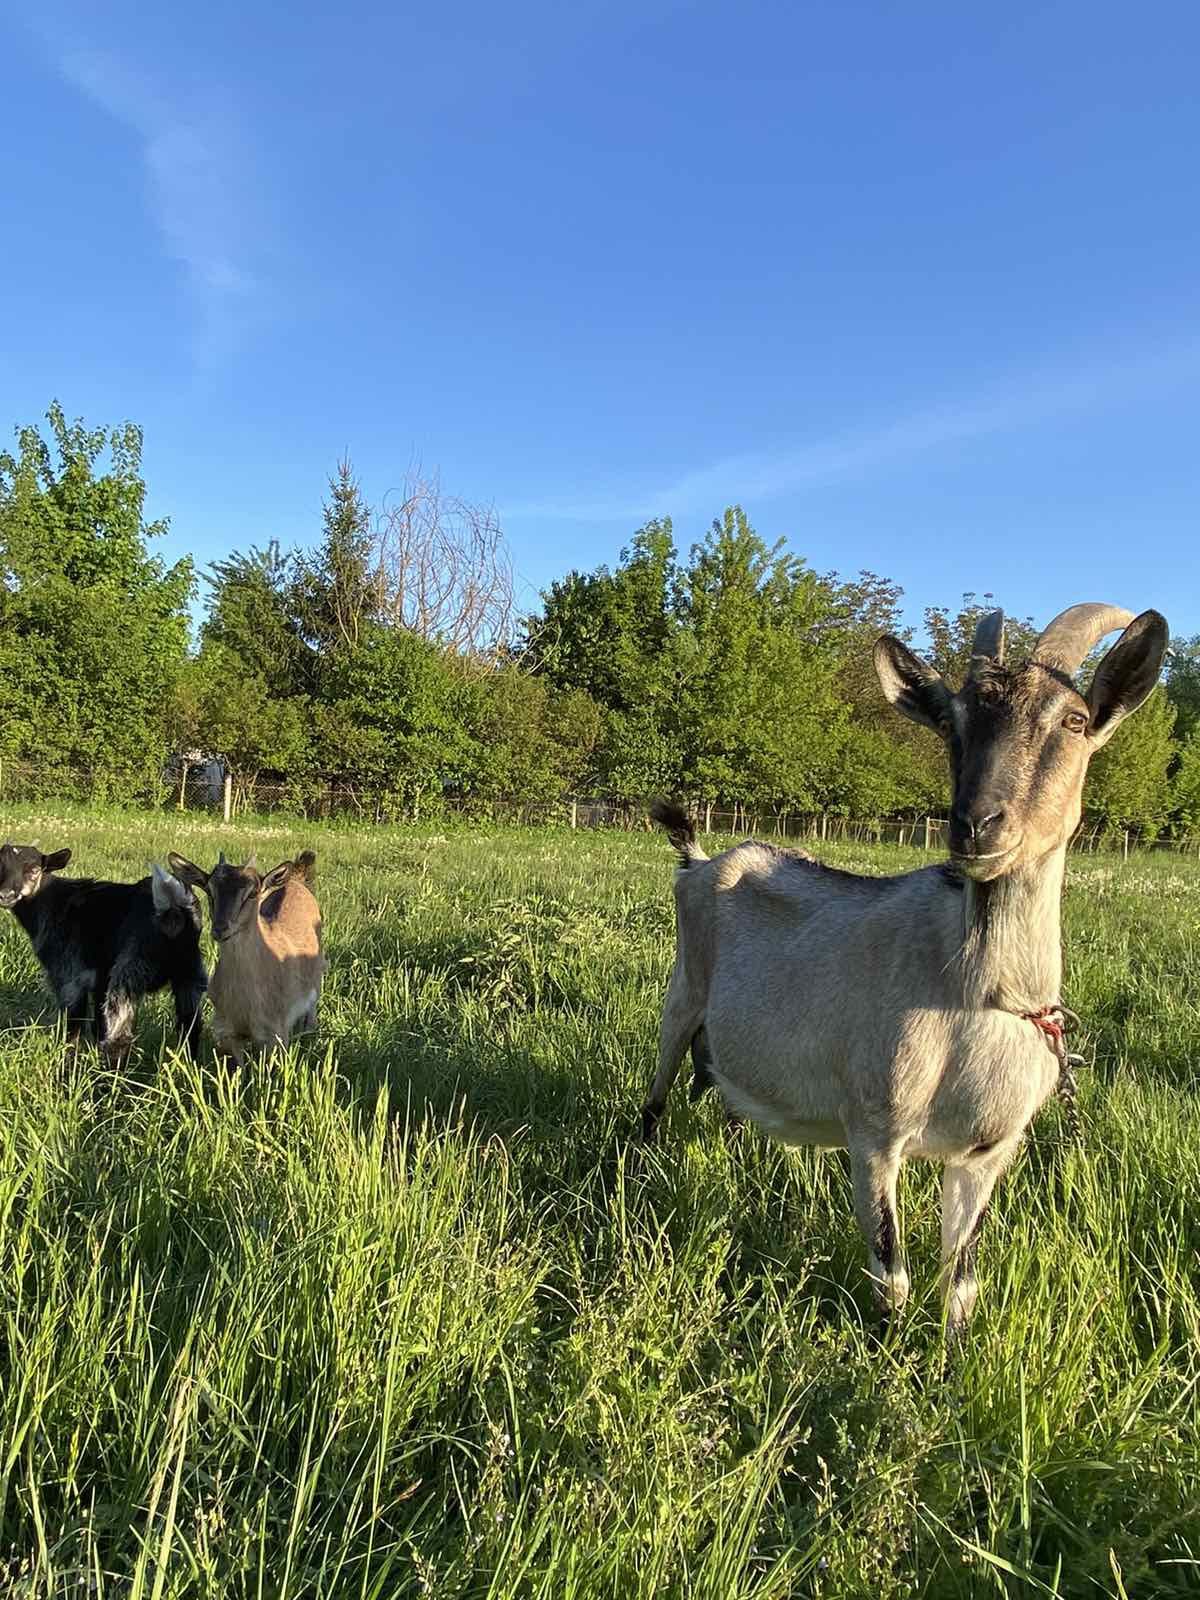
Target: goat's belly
{"type": "Point", "coordinates": [778, 1121]}
{"type": "Point", "coordinates": [69, 985]}
{"type": "Point", "coordinates": [776, 1069]}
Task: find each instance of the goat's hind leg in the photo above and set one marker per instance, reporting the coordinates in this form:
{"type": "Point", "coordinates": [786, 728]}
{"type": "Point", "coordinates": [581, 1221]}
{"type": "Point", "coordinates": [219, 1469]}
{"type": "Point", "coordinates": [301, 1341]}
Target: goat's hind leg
{"type": "Point", "coordinates": [702, 1080]}
{"type": "Point", "coordinates": [682, 1019]}
{"type": "Point", "coordinates": [114, 1023]}
{"type": "Point", "coordinates": [875, 1174]}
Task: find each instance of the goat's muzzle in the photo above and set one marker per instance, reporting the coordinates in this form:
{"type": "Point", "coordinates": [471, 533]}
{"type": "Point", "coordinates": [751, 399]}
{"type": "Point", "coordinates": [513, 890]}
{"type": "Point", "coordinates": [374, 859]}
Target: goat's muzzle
{"type": "Point", "coordinates": [982, 841]}
{"type": "Point", "coordinates": [984, 865]}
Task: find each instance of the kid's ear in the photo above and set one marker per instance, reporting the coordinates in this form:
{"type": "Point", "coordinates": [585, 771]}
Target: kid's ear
{"type": "Point", "coordinates": [276, 878]}
{"type": "Point", "coordinates": [187, 871]}
{"type": "Point", "coordinates": [56, 862]}
{"type": "Point", "coordinates": [168, 889]}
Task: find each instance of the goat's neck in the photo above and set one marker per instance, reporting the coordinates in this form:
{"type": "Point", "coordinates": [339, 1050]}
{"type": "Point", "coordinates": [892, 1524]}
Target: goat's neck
{"type": "Point", "coordinates": [30, 912]}
{"type": "Point", "coordinates": [249, 943]}
{"type": "Point", "coordinates": [1012, 937]}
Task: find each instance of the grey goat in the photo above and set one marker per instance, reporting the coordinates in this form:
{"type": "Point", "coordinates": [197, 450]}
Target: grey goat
{"type": "Point", "coordinates": [917, 1015]}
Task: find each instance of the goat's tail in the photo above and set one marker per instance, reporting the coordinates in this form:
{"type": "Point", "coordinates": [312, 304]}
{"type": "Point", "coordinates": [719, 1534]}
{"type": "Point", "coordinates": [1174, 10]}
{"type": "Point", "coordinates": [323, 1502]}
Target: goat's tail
{"type": "Point", "coordinates": [305, 866]}
{"type": "Point", "coordinates": [681, 830]}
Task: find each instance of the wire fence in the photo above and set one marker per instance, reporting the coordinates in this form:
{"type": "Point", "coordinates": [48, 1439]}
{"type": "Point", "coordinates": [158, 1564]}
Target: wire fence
{"type": "Point", "coordinates": [204, 787]}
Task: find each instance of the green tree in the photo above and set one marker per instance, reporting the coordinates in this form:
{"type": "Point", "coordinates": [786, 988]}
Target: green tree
{"type": "Point", "coordinates": [887, 763]}
{"type": "Point", "coordinates": [229, 711]}
{"type": "Point", "coordinates": [1185, 791]}
{"type": "Point", "coordinates": [252, 616]}
{"type": "Point", "coordinates": [337, 588]}
{"type": "Point", "coordinates": [532, 741]}
{"type": "Point", "coordinates": [607, 632]}
{"type": "Point", "coordinates": [758, 716]}
{"type": "Point", "coordinates": [1183, 685]}
{"type": "Point", "coordinates": [614, 637]}
{"type": "Point", "coordinates": [93, 628]}
{"type": "Point", "coordinates": [391, 715]}
{"type": "Point", "coordinates": [1128, 782]}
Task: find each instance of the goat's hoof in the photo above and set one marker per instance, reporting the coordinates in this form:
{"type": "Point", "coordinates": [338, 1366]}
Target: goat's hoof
{"type": "Point", "coordinates": [650, 1121]}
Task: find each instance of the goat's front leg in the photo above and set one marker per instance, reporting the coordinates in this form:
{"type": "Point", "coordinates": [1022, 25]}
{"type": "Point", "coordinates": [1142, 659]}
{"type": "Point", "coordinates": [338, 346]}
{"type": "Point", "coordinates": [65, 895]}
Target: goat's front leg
{"type": "Point", "coordinates": [75, 1019]}
{"type": "Point", "coordinates": [966, 1189]}
{"type": "Point", "coordinates": [875, 1174]}
{"type": "Point", "coordinates": [188, 995]}
{"type": "Point", "coordinates": [230, 1048]}
{"type": "Point", "coordinates": [75, 999]}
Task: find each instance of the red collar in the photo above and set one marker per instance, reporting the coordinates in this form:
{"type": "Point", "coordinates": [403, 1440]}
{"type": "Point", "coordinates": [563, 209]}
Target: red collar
{"type": "Point", "coordinates": [1052, 1021]}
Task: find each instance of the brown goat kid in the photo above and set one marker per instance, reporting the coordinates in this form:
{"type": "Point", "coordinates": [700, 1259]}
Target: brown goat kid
{"type": "Point", "coordinates": [267, 980]}
{"type": "Point", "coordinates": [918, 1015]}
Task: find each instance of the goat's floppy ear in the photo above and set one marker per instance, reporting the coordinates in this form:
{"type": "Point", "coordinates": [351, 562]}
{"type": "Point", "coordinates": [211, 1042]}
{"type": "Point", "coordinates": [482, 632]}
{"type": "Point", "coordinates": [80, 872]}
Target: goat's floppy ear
{"type": "Point", "coordinates": [276, 878]}
{"type": "Point", "coordinates": [1126, 675]}
{"type": "Point", "coordinates": [56, 861]}
{"type": "Point", "coordinates": [910, 684]}
{"type": "Point", "coordinates": [187, 871]}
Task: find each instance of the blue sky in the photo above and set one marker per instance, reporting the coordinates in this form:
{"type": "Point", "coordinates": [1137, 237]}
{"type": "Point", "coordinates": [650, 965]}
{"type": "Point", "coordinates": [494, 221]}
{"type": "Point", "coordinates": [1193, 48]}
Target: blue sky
{"type": "Point", "coordinates": [916, 284]}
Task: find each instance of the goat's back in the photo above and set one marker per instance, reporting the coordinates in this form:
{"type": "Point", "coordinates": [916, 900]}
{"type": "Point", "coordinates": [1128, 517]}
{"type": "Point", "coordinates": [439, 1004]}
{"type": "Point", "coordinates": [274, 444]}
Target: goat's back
{"type": "Point", "coordinates": [778, 951]}
{"type": "Point", "coordinates": [95, 922]}
{"type": "Point", "coordinates": [290, 920]}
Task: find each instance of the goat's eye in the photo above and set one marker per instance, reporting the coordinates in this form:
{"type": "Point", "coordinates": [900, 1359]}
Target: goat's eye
{"type": "Point", "coordinates": [1075, 722]}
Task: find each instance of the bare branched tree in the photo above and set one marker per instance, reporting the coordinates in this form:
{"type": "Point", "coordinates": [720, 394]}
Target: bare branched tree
{"type": "Point", "coordinates": [444, 568]}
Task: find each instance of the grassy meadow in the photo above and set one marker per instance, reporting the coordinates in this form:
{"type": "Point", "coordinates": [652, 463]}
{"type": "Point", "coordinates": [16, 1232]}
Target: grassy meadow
{"type": "Point", "coordinates": [407, 1312]}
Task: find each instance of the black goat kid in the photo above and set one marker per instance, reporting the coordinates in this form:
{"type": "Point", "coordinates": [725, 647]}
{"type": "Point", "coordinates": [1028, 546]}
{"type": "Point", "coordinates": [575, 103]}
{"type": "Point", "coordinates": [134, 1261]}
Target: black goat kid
{"type": "Point", "coordinates": [108, 943]}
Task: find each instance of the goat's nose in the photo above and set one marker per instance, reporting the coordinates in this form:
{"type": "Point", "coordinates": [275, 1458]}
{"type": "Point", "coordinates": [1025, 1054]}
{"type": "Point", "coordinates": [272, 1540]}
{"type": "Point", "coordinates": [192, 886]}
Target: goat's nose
{"type": "Point", "coordinates": [987, 827]}
{"type": "Point", "coordinates": [981, 828]}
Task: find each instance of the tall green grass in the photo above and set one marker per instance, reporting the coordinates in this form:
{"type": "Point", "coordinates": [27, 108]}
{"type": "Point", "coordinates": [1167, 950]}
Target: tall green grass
{"type": "Point", "coordinates": [405, 1311]}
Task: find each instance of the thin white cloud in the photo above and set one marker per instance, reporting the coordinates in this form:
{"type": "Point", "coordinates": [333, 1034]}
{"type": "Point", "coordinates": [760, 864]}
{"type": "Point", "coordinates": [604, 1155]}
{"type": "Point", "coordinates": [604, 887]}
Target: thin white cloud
{"type": "Point", "coordinates": [193, 172]}
{"type": "Point", "coordinates": [1028, 401]}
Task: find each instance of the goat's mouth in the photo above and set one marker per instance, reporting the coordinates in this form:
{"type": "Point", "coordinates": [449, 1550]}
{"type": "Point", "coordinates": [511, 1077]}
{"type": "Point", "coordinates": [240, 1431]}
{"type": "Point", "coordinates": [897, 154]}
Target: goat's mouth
{"type": "Point", "coordinates": [983, 865]}
{"type": "Point", "coordinates": [8, 898]}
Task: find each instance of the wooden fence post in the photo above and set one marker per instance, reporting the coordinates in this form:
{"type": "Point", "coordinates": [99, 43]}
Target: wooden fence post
{"type": "Point", "coordinates": [928, 833]}
{"type": "Point", "coordinates": [574, 813]}
{"type": "Point", "coordinates": [228, 796]}
{"type": "Point", "coordinates": [183, 782]}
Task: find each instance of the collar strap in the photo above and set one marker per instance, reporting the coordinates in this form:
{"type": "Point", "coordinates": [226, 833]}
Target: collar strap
{"type": "Point", "coordinates": [1051, 1022]}
{"type": "Point", "coordinates": [1049, 1019]}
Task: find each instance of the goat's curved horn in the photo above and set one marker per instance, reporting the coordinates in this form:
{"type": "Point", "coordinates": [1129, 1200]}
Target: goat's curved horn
{"type": "Point", "coordinates": [989, 640]}
{"type": "Point", "coordinates": [252, 864]}
{"type": "Point", "coordinates": [1064, 642]}
{"type": "Point", "coordinates": [221, 858]}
